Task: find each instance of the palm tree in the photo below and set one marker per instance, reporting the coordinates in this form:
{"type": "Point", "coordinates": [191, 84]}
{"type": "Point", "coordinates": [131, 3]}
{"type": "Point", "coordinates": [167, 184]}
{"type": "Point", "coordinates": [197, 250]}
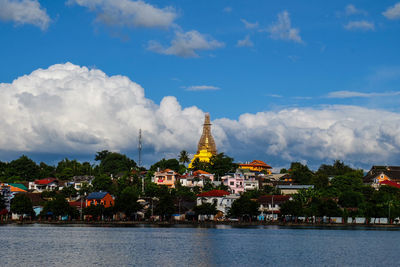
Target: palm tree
{"type": "Point", "coordinates": [184, 157]}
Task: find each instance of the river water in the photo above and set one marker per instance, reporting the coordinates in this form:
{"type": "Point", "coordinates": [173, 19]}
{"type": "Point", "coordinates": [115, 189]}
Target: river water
{"type": "Point", "coordinates": [44, 245]}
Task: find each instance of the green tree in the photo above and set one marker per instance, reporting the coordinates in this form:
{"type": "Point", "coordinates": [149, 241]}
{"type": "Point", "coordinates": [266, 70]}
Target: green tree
{"type": "Point", "coordinates": [21, 204]}
{"type": "Point", "coordinates": [184, 157]}
{"type": "Point", "coordinates": [200, 165]}
{"type": "Point", "coordinates": [300, 173]}
{"type": "Point", "coordinates": [23, 167]}
{"type": "Point", "coordinates": [127, 201]}
{"type": "Point", "coordinates": [221, 164]}
{"type": "Point", "coordinates": [58, 207]}
{"type": "Point", "coordinates": [113, 163]}
{"type": "Point", "coordinates": [337, 168]}
{"type": "Point", "coordinates": [292, 208]}
{"type": "Point", "coordinates": [351, 199]}
{"type": "Point", "coordinates": [205, 209]}
{"type": "Point", "coordinates": [102, 183]}
{"type": "Point", "coordinates": [244, 206]}
{"type": "Point", "coordinates": [165, 206]}
{"type": "Point", "coordinates": [46, 170]}
{"type": "Point", "coordinates": [163, 164]}
{"type": "Point", "coordinates": [69, 192]}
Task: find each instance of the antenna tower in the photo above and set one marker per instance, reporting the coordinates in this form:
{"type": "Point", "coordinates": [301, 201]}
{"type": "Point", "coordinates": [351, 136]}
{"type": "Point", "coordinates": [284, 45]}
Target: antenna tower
{"type": "Point", "coordinates": [140, 147]}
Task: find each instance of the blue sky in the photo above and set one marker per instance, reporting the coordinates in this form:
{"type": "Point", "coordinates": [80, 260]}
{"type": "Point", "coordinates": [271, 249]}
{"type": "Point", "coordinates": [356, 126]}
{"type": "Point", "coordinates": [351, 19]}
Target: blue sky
{"type": "Point", "coordinates": [229, 58]}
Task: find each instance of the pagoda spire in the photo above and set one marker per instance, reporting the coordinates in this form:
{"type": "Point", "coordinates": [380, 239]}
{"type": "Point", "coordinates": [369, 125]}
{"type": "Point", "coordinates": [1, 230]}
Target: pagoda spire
{"type": "Point", "coordinates": [206, 141]}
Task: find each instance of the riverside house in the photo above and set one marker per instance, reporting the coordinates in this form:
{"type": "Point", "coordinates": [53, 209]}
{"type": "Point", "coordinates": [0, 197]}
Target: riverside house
{"type": "Point", "coordinates": [48, 184]}
{"type": "Point", "coordinates": [222, 199]}
{"type": "Point", "coordinates": [378, 175]}
{"type": "Point", "coordinates": [270, 206]}
{"type": "Point", "coordinates": [235, 183]}
{"type": "Point", "coordinates": [100, 198]}
{"type": "Point", "coordinates": [166, 177]}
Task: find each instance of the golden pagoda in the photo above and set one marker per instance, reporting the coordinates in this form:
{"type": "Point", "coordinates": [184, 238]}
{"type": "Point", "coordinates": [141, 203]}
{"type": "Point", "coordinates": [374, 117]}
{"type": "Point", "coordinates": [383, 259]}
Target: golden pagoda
{"type": "Point", "coordinates": [206, 147]}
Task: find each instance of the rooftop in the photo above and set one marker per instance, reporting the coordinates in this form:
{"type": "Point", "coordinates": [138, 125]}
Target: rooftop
{"type": "Point", "coordinates": [97, 195]}
{"type": "Point", "coordinates": [214, 193]}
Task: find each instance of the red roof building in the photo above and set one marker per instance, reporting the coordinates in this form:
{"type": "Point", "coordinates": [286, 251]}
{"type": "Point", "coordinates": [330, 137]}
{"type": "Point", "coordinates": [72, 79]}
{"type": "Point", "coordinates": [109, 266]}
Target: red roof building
{"type": "Point", "coordinates": [390, 183]}
{"type": "Point", "coordinates": [214, 193]}
{"type": "Point", "coordinates": [48, 184]}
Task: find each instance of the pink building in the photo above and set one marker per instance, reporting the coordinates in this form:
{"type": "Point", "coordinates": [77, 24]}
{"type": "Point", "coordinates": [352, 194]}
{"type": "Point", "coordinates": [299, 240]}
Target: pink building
{"type": "Point", "coordinates": [235, 183]}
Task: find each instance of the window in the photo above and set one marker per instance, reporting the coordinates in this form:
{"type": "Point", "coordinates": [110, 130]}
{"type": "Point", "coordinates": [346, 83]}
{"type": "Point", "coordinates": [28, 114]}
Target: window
{"type": "Point", "coordinates": [232, 183]}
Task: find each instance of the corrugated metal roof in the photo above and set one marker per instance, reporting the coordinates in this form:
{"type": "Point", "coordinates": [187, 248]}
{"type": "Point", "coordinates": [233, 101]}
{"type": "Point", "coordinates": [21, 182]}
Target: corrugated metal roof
{"type": "Point", "coordinates": [97, 195]}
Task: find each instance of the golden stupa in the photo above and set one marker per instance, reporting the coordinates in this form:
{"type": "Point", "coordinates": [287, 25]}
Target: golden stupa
{"type": "Point", "coordinates": [206, 147]}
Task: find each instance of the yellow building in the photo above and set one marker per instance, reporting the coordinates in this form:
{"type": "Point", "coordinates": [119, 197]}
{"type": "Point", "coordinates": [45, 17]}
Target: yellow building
{"type": "Point", "coordinates": [206, 147]}
{"type": "Point", "coordinates": [256, 166]}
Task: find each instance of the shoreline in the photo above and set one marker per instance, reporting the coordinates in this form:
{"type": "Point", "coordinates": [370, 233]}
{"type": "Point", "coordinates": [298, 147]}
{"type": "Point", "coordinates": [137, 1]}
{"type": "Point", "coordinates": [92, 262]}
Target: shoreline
{"type": "Point", "coordinates": [206, 224]}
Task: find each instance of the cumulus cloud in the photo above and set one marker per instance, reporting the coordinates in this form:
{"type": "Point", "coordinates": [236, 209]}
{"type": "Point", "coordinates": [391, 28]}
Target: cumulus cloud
{"type": "Point", "coordinates": [352, 10]}
{"type": "Point", "coordinates": [354, 134]}
{"type": "Point", "coordinates": [246, 42]}
{"type": "Point", "coordinates": [282, 29]}
{"type": "Point", "coordinates": [24, 12]}
{"type": "Point", "coordinates": [202, 88]}
{"type": "Point", "coordinates": [72, 109]}
{"type": "Point", "coordinates": [393, 12]}
{"type": "Point", "coordinates": [186, 44]}
{"type": "Point", "coordinates": [249, 25]}
{"type": "Point", "coordinates": [362, 25]}
{"type": "Point", "coordinates": [351, 94]}
{"type": "Point", "coordinates": [129, 13]}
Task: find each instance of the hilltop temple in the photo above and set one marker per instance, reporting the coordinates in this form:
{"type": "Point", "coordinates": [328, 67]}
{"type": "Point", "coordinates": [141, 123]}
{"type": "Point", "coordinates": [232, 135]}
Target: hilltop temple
{"type": "Point", "coordinates": [206, 147]}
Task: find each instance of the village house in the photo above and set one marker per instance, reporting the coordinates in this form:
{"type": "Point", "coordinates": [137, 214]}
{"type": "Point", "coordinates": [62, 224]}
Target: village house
{"type": "Point", "coordinates": [235, 182]}
{"type": "Point", "coordinates": [222, 199]}
{"type": "Point", "coordinates": [292, 189]}
{"type": "Point", "coordinates": [382, 174]}
{"type": "Point", "coordinates": [166, 177]}
{"type": "Point", "coordinates": [47, 184]}
{"type": "Point", "coordinates": [270, 206]}
{"type": "Point", "coordinates": [198, 178]}
{"type": "Point", "coordinates": [99, 198]}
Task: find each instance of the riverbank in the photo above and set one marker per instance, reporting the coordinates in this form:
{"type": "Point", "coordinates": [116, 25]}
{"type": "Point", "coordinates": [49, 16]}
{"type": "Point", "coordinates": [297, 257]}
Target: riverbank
{"type": "Point", "coordinates": [205, 224]}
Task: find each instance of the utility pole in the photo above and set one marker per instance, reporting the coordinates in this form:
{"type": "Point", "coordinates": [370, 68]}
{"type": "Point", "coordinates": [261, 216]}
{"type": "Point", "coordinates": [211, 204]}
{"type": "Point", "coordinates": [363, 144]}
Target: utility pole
{"type": "Point", "coordinates": [140, 157]}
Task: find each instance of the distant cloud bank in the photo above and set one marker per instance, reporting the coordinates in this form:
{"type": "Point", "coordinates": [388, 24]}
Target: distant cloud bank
{"type": "Point", "coordinates": [71, 109]}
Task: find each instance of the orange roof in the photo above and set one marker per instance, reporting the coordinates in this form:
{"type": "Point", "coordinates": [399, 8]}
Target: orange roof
{"type": "Point", "coordinates": [200, 172]}
{"type": "Point", "coordinates": [257, 163]}
{"type": "Point", "coordinates": [13, 188]}
{"type": "Point", "coordinates": [16, 189]}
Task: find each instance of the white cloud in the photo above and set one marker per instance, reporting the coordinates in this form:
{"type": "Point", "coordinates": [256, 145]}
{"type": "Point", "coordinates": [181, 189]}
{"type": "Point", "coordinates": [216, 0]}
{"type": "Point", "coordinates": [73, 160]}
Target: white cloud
{"type": "Point", "coordinates": [129, 13]}
{"type": "Point", "coordinates": [362, 25]}
{"type": "Point", "coordinates": [350, 133]}
{"type": "Point", "coordinates": [351, 94]}
{"type": "Point", "coordinates": [352, 10]}
{"type": "Point", "coordinates": [185, 44]}
{"type": "Point", "coordinates": [283, 30]}
{"type": "Point", "coordinates": [202, 88]}
{"type": "Point", "coordinates": [24, 12]}
{"type": "Point", "coordinates": [227, 9]}
{"type": "Point", "coordinates": [246, 42]}
{"type": "Point", "coordinates": [71, 109]}
{"type": "Point", "coordinates": [249, 25]}
{"type": "Point", "coordinates": [393, 12]}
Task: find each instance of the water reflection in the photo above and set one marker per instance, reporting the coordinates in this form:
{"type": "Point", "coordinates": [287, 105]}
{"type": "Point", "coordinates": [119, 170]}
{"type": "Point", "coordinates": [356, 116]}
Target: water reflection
{"type": "Point", "coordinates": [222, 245]}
